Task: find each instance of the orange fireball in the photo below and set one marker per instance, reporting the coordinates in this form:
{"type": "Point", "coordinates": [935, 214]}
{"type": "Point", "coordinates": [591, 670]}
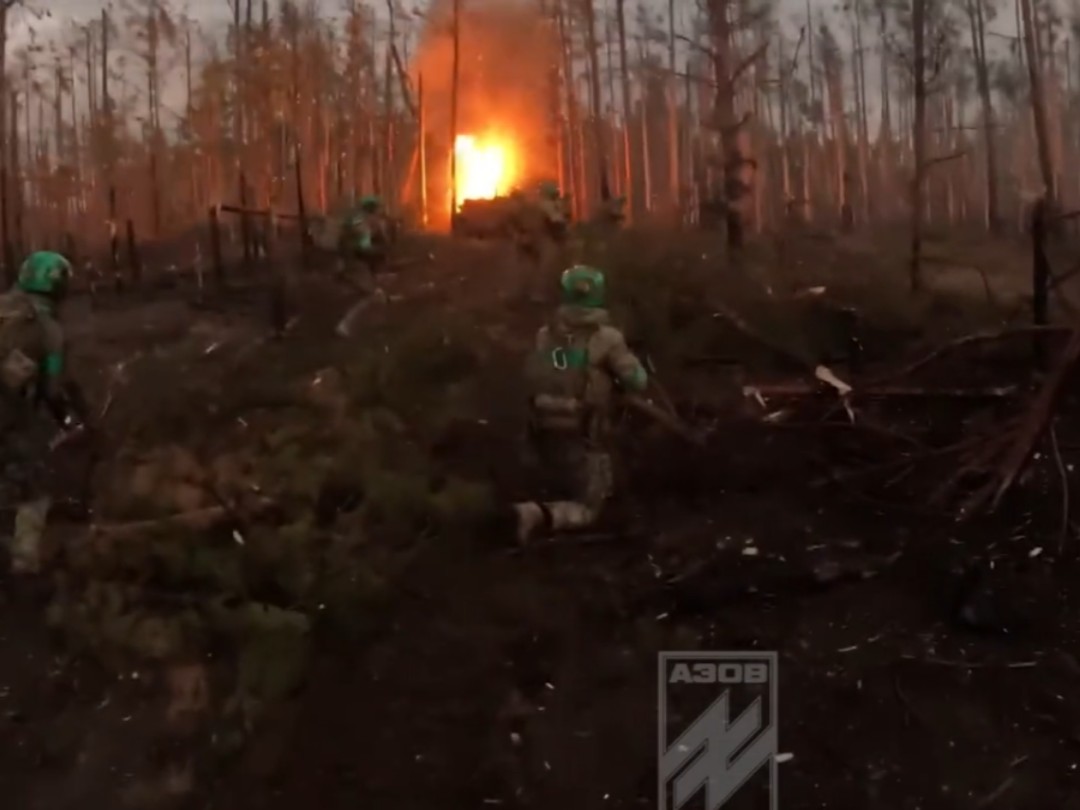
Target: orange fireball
{"type": "Point", "coordinates": [486, 167]}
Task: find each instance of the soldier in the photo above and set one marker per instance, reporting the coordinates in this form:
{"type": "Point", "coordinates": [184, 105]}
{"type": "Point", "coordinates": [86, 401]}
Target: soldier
{"type": "Point", "coordinates": [32, 372]}
{"type": "Point", "coordinates": [540, 227]}
{"type": "Point", "coordinates": [596, 235]}
{"type": "Point", "coordinates": [579, 361]}
{"type": "Point", "coordinates": [361, 239]}
{"type": "Point", "coordinates": [553, 207]}
{"type": "Point", "coordinates": [611, 213]}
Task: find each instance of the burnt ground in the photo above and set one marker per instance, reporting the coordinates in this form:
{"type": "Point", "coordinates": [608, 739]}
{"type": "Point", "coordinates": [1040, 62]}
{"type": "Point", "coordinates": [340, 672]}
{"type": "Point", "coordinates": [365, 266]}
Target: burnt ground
{"type": "Point", "coordinates": [491, 676]}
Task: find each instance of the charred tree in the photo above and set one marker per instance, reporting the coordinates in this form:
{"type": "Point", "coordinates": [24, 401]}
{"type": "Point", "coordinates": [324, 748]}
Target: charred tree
{"type": "Point", "coordinates": [738, 165]}
{"type": "Point", "coordinates": [599, 145]}
{"type": "Point", "coordinates": [1038, 103]}
{"type": "Point", "coordinates": [976, 11]}
{"type": "Point", "coordinates": [918, 139]}
{"type": "Point", "coordinates": [627, 109]}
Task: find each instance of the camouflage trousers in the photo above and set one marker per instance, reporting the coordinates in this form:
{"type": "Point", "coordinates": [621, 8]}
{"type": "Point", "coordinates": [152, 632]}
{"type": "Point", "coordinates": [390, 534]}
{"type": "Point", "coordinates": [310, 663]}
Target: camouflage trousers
{"type": "Point", "coordinates": [24, 471]}
{"type": "Point", "coordinates": [361, 272]}
{"type": "Point", "coordinates": [30, 520]}
{"type": "Point", "coordinates": [577, 480]}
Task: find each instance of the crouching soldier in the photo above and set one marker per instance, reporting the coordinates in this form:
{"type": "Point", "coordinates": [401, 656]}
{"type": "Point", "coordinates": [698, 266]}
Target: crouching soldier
{"type": "Point", "coordinates": [32, 374]}
{"type": "Point", "coordinates": [579, 361]}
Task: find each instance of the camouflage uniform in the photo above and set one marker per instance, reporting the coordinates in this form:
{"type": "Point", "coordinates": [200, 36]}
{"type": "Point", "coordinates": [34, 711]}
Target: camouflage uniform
{"type": "Point", "coordinates": [31, 372]}
{"type": "Point", "coordinates": [595, 237]}
{"type": "Point", "coordinates": [611, 213]}
{"type": "Point", "coordinates": [360, 238]}
{"type": "Point", "coordinates": [541, 228]}
{"type": "Point", "coordinates": [579, 361]}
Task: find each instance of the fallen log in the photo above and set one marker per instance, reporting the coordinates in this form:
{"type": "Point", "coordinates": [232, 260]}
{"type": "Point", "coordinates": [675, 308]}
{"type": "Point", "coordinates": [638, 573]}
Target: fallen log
{"type": "Point", "coordinates": [801, 389]}
{"type": "Point", "coordinates": [1019, 448]}
{"type": "Point", "coordinates": [195, 520]}
{"type": "Point", "coordinates": [966, 340]}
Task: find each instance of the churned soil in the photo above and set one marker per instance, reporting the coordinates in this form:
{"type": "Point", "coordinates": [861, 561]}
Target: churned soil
{"type": "Point", "coordinates": [923, 663]}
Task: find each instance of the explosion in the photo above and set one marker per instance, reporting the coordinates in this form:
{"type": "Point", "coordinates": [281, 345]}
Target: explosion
{"type": "Point", "coordinates": [485, 167]}
{"type": "Point", "coordinates": [502, 132]}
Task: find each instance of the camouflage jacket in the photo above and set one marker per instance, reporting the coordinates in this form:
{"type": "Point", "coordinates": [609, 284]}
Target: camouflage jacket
{"type": "Point", "coordinates": [579, 361]}
{"type": "Point", "coordinates": [32, 350]}
{"type": "Point", "coordinates": [352, 233]}
{"type": "Point", "coordinates": [362, 233]}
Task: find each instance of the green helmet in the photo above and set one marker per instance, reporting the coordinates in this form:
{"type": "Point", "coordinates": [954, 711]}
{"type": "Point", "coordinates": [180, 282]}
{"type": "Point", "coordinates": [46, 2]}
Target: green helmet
{"type": "Point", "coordinates": [549, 190]}
{"type": "Point", "coordinates": [370, 203]}
{"type": "Point", "coordinates": [583, 286]}
{"type": "Point", "coordinates": [45, 273]}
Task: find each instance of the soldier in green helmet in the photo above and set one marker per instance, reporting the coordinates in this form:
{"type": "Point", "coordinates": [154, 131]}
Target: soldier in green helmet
{"type": "Point", "coordinates": [579, 363]}
{"type": "Point", "coordinates": [32, 373]}
{"type": "Point", "coordinates": [359, 236]}
{"type": "Point", "coordinates": [363, 240]}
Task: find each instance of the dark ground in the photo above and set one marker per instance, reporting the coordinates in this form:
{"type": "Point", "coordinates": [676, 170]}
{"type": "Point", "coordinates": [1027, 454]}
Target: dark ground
{"type": "Point", "coordinates": [511, 678]}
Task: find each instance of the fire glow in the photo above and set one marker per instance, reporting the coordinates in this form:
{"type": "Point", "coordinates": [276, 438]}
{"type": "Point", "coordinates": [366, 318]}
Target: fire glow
{"type": "Point", "coordinates": [485, 168]}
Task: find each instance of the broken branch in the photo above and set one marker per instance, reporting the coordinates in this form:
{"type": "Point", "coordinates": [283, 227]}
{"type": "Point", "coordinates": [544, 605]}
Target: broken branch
{"type": "Point", "coordinates": [944, 159]}
{"type": "Point", "coordinates": [747, 63]}
{"type": "Point", "coordinates": [1035, 422]}
{"type": "Point", "coordinates": [952, 345]}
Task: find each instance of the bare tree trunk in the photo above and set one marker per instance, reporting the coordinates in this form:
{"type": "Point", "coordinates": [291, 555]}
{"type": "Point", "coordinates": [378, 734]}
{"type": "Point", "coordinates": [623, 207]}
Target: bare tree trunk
{"type": "Point", "coordinates": [673, 114]}
{"type": "Point", "coordinates": [646, 156]}
{"type": "Point", "coordinates": [735, 142]}
{"type": "Point", "coordinates": [810, 53]}
{"type": "Point", "coordinates": [610, 116]}
{"type": "Point", "coordinates": [421, 136]}
{"type": "Point", "coordinates": [594, 82]}
{"type": "Point", "coordinates": [834, 85]}
{"type": "Point", "coordinates": [858, 71]}
{"type": "Point", "coordinates": [809, 135]}
{"type": "Point", "coordinates": [5, 212]}
{"type": "Point", "coordinates": [16, 174]}
{"type": "Point", "coordinates": [576, 168]}
{"type": "Point", "coordinates": [1038, 104]}
{"type": "Point", "coordinates": [627, 110]}
{"type": "Point", "coordinates": [918, 25]}
{"type": "Point", "coordinates": [982, 79]}
{"type": "Point", "coordinates": [785, 156]}
{"type": "Point", "coordinates": [455, 79]}
{"type": "Point", "coordinates": [388, 99]}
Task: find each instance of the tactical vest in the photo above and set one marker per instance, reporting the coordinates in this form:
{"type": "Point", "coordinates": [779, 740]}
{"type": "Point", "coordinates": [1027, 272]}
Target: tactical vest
{"type": "Point", "coordinates": [560, 376]}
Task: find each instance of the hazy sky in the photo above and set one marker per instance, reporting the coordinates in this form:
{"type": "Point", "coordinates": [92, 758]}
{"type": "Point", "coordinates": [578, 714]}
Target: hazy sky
{"type": "Point", "coordinates": [215, 12]}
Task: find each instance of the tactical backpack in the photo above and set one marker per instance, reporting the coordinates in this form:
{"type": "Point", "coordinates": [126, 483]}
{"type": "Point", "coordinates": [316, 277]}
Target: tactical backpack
{"type": "Point", "coordinates": [559, 375]}
{"type": "Point", "coordinates": [20, 342]}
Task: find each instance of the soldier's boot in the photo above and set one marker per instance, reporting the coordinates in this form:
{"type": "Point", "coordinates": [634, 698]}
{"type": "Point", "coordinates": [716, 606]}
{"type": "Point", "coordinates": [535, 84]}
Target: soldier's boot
{"type": "Point", "coordinates": [365, 280]}
{"type": "Point", "coordinates": [570, 516]}
{"type": "Point", "coordinates": [30, 520]}
{"type": "Point", "coordinates": [554, 517]}
{"type": "Point", "coordinates": [531, 518]}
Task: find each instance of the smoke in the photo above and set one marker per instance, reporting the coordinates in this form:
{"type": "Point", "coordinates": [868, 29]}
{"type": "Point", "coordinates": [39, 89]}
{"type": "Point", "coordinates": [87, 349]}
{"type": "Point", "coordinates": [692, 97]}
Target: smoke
{"type": "Point", "coordinates": [507, 50]}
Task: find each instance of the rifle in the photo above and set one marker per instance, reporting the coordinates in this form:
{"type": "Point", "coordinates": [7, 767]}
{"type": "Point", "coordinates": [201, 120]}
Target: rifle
{"type": "Point", "coordinates": [84, 429]}
{"type": "Point", "coordinates": [664, 418]}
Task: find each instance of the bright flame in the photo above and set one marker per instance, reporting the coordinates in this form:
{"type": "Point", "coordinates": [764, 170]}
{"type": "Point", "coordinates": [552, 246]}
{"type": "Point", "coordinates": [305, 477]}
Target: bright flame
{"type": "Point", "coordinates": [484, 168]}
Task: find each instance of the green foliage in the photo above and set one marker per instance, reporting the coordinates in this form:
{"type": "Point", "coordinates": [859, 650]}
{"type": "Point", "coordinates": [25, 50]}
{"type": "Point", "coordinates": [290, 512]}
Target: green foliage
{"type": "Point", "coordinates": [397, 505]}
{"type": "Point", "coordinates": [409, 377]}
